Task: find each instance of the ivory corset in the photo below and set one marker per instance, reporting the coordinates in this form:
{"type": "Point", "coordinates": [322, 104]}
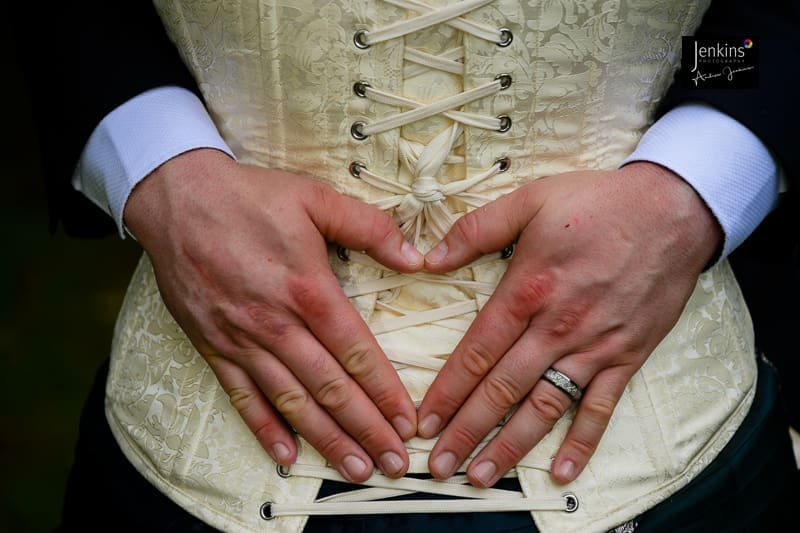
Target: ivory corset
{"type": "Point", "coordinates": [281, 80]}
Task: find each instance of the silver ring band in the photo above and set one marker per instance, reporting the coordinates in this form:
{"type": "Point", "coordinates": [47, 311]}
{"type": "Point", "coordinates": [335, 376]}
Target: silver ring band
{"type": "Point", "coordinates": [564, 383]}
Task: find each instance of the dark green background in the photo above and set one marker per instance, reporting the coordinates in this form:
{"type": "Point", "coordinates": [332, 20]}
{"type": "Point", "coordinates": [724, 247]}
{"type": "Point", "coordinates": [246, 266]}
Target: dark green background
{"type": "Point", "coordinates": [58, 302]}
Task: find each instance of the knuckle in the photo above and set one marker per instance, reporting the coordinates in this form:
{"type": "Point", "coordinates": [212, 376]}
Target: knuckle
{"type": "Point", "coordinates": [467, 229]}
{"type": "Point", "coordinates": [465, 437]}
{"type": "Point", "coordinates": [335, 395]}
{"type": "Point", "coordinates": [332, 445]}
{"type": "Point", "coordinates": [370, 436]}
{"type": "Point", "coordinates": [567, 322]}
{"type": "Point", "coordinates": [529, 294]}
{"type": "Point", "coordinates": [447, 403]}
{"type": "Point", "coordinates": [598, 411]}
{"type": "Point", "coordinates": [320, 192]}
{"type": "Point", "coordinates": [389, 400]}
{"type": "Point", "coordinates": [548, 406]}
{"type": "Point", "coordinates": [257, 313]}
{"type": "Point", "coordinates": [267, 322]}
{"type": "Point", "coordinates": [509, 452]}
{"type": "Point", "coordinates": [501, 393]}
{"type": "Point", "coordinates": [243, 399]}
{"type": "Point", "coordinates": [477, 359]}
{"type": "Point", "coordinates": [382, 228]}
{"type": "Point", "coordinates": [265, 431]}
{"type": "Point", "coordinates": [247, 355]}
{"type": "Point", "coordinates": [214, 342]}
{"type": "Point", "coordinates": [358, 361]}
{"type": "Point", "coordinates": [304, 291]}
{"type": "Point", "coordinates": [583, 446]}
{"type": "Point", "coordinates": [291, 403]}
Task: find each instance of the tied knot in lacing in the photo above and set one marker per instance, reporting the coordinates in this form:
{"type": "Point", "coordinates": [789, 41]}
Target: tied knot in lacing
{"type": "Point", "coordinates": [424, 203]}
{"type": "Point", "coordinates": [427, 190]}
{"type": "Point", "coordinates": [420, 204]}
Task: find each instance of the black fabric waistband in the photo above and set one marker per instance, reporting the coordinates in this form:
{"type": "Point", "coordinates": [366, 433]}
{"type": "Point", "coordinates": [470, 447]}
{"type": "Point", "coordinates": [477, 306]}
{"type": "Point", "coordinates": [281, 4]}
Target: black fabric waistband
{"type": "Point", "coordinates": [751, 486]}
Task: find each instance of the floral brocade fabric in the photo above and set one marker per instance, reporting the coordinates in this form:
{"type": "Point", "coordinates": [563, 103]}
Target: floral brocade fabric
{"type": "Point", "coordinates": [278, 77]}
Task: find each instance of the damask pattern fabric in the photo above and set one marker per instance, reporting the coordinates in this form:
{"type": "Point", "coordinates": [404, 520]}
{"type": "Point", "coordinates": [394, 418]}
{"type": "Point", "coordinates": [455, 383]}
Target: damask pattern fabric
{"type": "Point", "coordinates": [278, 79]}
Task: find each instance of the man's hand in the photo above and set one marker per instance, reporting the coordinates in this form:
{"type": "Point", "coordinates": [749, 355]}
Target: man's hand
{"type": "Point", "coordinates": [604, 264]}
{"type": "Point", "coordinates": [240, 258]}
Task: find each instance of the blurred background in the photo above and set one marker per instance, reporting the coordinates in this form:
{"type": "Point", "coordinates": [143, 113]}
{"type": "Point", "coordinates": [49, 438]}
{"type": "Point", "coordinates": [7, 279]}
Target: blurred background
{"type": "Point", "coordinates": [58, 302]}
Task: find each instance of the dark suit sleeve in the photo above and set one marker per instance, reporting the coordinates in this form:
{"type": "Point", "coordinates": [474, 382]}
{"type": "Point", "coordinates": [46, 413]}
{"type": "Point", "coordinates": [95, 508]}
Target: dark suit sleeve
{"type": "Point", "coordinates": [771, 111]}
{"type": "Point", "coordinates": [767, 264]}
{"type": "Point", "coordinates": [81, 60]}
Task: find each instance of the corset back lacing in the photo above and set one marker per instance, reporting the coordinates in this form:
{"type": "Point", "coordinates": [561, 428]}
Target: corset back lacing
{"type": "Point", "coordinates": [421, 208]}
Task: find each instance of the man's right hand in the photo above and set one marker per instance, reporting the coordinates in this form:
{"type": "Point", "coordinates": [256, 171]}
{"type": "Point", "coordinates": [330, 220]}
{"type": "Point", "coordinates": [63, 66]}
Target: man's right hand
{"type": "Point", "coordinates": [240, 257]}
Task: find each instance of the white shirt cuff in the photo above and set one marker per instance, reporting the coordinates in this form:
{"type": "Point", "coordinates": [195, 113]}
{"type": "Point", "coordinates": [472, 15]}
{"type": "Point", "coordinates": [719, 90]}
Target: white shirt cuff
{"type": "Point", "coordinates": [728, 166]}
{"type": "Point", "coordinates": [135, 139]}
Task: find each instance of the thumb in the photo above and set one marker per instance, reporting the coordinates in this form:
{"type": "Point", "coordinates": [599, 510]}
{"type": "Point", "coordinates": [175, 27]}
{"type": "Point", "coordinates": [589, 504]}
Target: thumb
{"type": "Point", "coordinates": [488, 229]}
{"type": "Point", "coordinates": [359, 226]}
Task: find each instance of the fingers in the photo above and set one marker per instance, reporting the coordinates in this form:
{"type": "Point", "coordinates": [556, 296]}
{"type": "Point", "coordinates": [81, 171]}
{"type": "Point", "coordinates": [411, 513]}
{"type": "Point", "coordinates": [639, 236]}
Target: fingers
{"type": "Point", "coordinates": [504, 318]}
{"type": "Point", "coordinates": [585, 281]}
{"type": "Point", "coordinates": [323, 386]}
{"type": "Point", "coordinates": [533, 419]}
{"type": "Point", "coordinates": [248, 272]}
{"type": "Point", "coordinates": [536, 415]}
{"type": "Point", "coordinates": [591, 420]}
{"type": "Point", "coordinates": [301, 406]}
{"type": "Point", "coordinates": [283, 370]}
{"type": "Point", "coordinates": [514, 383]}
{"type": "Point", "coordinates": [487, 229]}
{"type": "Point", "coordinates": [344, 334]}
{"type": "Point", "coordinates": [360, 226]}
{"type": "Point", "coordinates": [497, 394]}
{"type": "Point", "coordinates": [257, 413]}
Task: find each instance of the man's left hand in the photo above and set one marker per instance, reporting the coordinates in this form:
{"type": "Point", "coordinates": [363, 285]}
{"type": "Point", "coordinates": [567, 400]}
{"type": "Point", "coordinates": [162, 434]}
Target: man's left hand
{"type": "Point", "coordinates": [604, 263]}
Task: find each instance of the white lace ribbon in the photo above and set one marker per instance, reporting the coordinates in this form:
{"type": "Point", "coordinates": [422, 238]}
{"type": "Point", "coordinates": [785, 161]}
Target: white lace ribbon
{"type": "Point", "coordinates": [422, 206]}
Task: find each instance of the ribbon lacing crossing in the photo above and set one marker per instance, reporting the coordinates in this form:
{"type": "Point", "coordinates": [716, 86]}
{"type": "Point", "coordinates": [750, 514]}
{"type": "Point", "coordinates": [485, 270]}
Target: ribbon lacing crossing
{"type": "Point", "coordinates": [420, 208]}
{"type": "Point", "coordinates": [421, 205]}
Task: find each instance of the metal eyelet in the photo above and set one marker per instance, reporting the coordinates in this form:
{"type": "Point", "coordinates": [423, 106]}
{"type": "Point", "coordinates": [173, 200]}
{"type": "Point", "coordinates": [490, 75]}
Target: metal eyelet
{"type": "Point", "coordinates": [355, 131]}
{"type": "Point", "coordinates": [283, 471]}
{"type": "Point", "coordinates": [342, 253]}
{"type": "Point", "coordinates": [505, 37]}
{"type": "Point", "coordinates": [571, 503]}
{"type": "Point", "coordinates": [356, 167]}
{"type": "Point", "coordinates": [505, 164]}
{"type": "Point", "coordinates": [266, 511]}
{"type": "Point", "coordinates": [360, 39]}
{"type": "Point", "coordinates": [505, 81]}
{"type": "Point", "coordinates": [507, 252]}
{"type": "Point", "coordinates": [505, 123]}
{"type": "Point", "coordinates": [360, 88]}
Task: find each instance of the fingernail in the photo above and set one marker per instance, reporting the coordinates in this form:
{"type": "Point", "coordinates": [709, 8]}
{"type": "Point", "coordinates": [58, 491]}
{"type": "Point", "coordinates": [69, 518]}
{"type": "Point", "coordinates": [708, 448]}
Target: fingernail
{"type": "Point", "coordinates": [565, 470]}
{"type": "Point", "coordinates": [437, 254]}
{"type": "Point", "coordinates": [429, 426]}
{"type": "Point", "coordinates": [444, 465]}
{"type": "Point", "coordinates": [410, 253]}
{"type": "Point", "coordinates": [403, 427]}
{"type": "Point", "coordinates": [281, 453]}
{"type": "Point", "coordinates": [355, 468]}
{"type": "Point", "coordinates": [391, 463]}
{"type": "Point", "coordinates": [485, 473]}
